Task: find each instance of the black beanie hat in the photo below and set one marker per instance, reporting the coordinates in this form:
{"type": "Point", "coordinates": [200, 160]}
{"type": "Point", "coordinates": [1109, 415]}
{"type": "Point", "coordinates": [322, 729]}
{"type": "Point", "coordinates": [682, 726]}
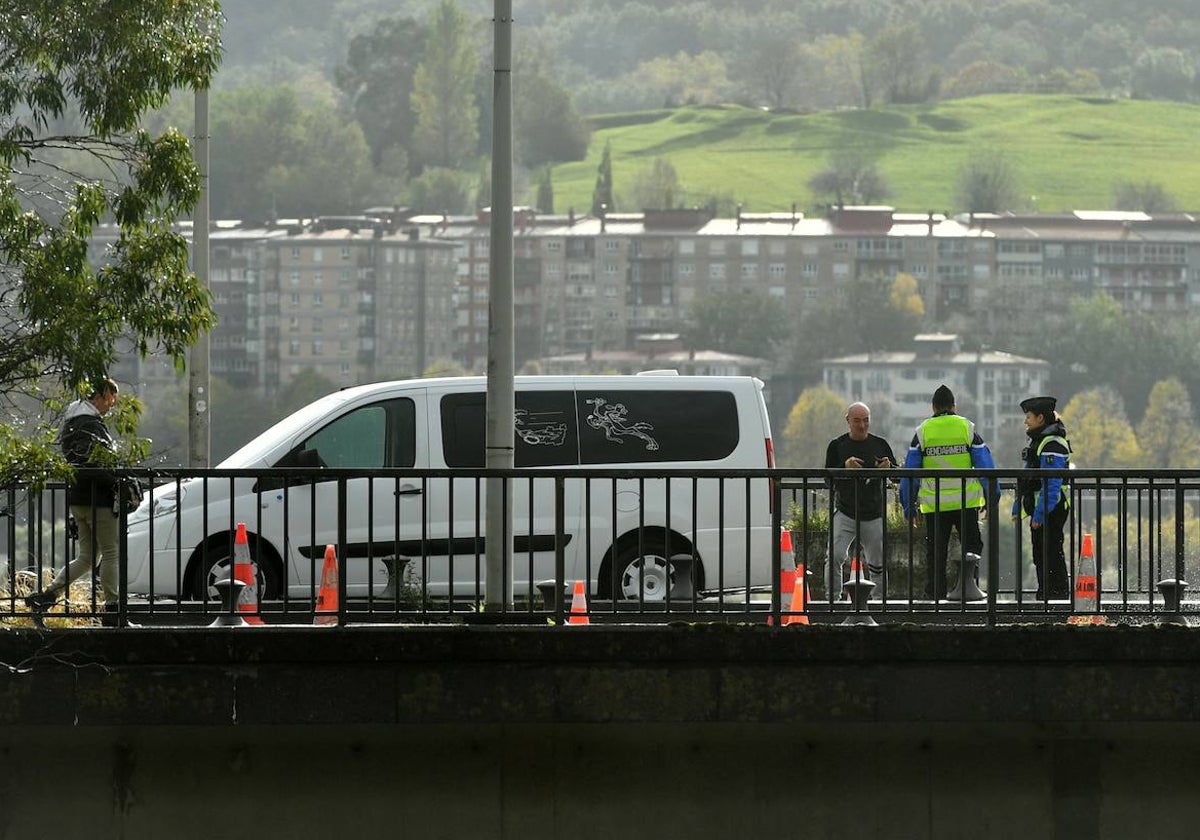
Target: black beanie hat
{"type": "Point", "coordinates": [943, 397]}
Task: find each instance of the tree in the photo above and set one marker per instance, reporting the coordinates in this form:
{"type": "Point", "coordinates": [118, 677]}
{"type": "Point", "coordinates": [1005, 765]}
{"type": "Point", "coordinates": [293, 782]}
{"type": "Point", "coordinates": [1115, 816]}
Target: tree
{"type": "Point", "coordinates": [768, 61]}
{"type": "Point", "coordinates": [875, 313]}
{"type": "Point", "coordinates": [744, 323]}
{"type": "Point", "coordinates": [602, 195]}
{"type": "Point", "coordinates": [898, 64]}
{"type": "Point", "coordinates": [657, 186]}
{"type": "Point", "coordinates": [1163, 73]}
{"type": "Point", "coordinates": [546, 126]}
{"type": "Point", "coordinates": [682, 79]}
{"type": "Point", "coordinates": [377, 80]}
{"type": "Point", "coordinates": [438, 190]}
{"type": "Point", "coordinates": [1149, 196]}
{"type": "Point", "coordinates": [850, 177]}
{"type": "Point", "coordinates": [817, 417]}
{"type": "Point", "coordinates": [303, 388]}
{"type": "Point", "coordinates": [443, 94]}
{"type": "Point", "coordinates": [987, 182]}
{"type": "Point", "coordinates": [545, 192]}
{"type": "Point", "coordinates": [1101, 437]}
{"type": "Point", "coordinates": [1167, 435]}
{"type": "Point", "coordinates": [328, 172]}
{"type": "Point", "coordinates": [77, 79]}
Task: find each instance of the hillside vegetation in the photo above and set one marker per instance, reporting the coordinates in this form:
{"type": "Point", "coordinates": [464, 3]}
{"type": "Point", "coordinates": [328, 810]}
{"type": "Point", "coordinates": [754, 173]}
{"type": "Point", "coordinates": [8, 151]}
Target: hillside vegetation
{"type": "Point", "coordinates": [1069, 152]}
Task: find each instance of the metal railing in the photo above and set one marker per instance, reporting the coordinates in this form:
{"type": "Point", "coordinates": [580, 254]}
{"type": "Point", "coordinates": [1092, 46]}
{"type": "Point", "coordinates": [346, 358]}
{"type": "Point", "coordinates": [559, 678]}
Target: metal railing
{"type": "Point", "coordinates": [647, 545]}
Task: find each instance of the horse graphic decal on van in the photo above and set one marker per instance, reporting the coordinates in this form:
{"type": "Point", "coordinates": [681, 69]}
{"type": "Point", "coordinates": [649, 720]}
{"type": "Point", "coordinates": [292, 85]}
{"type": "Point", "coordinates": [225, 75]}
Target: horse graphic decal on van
{"type": "Point", "coordinates": [535, 432]}
{"type": "Point", "coordinates": [610, 418]}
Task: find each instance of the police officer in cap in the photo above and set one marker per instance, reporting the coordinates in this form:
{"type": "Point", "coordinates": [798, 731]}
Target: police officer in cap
{"type": "Point", "coordinates": [1046, 501]}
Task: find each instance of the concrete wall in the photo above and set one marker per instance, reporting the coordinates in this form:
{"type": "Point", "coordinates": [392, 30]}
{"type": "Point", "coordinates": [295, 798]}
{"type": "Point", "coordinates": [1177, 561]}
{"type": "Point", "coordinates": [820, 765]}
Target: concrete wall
{"type": "Point", "coordinates": [601, 733]}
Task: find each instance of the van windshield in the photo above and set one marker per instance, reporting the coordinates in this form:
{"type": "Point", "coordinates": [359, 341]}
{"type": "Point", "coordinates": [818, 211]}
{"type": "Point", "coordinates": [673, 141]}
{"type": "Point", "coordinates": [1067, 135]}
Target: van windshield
{"type": "Point", "coordinates": [256, 452]}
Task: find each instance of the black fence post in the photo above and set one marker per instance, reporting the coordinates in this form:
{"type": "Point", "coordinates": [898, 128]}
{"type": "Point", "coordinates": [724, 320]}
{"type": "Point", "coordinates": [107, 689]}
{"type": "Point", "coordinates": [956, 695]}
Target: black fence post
{"type": "Point", "coordinates": [343, 545]}
{"type": "Point", "coordinates": [560, 541]}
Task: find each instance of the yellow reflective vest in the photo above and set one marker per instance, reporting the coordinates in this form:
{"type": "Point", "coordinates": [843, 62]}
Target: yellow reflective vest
{"type": "Point", "coordinates": [945, 442]}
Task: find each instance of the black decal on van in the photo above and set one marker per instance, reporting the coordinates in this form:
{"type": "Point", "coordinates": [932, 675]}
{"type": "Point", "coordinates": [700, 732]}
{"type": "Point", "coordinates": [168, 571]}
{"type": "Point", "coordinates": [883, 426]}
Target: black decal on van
{"type": "Point", "coordinates": [613, 420]}
{"type": "Point", "coordinates": [544, 429]}
{"type": "Point", "coordinates": [632, 427]}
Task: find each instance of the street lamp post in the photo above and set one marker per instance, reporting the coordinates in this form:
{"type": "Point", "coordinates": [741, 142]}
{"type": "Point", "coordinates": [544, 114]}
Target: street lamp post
{"type": "Point", "coordinates": [500, 366]}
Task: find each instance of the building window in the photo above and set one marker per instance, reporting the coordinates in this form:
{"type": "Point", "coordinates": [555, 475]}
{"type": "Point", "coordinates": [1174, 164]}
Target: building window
{"type": "Point", "coordinates": [808, 269]}
{"type": "Point", "coordinates": [318, 254]}
{"type": "Point", "coordinates": [716, 271]}
{"type": "Point", "coordinates": [318, 348]}
{"type": "Point", "coordinates": [554, 246]}
{"type": "Point", "coordinates": [318, 325]}
{"type": "Point", "coordinates": [686, 269]}
{"type": "Point", "coordinates": [749, 247]}
{"type": "Point", "coordinates": [318, 279]}
{"type": "Point", "coordinates": [345, 252]}
{"type": "Point", "coordinates": [612, 245]}
{"type": "Point", "coordinates": [687, 246]}
{"type": "Point", "coordinates": [716, 248]}
{"type": "Point", "coordinates": [317, 300]}
{"type": "Point", "coordinates": [777, 271]}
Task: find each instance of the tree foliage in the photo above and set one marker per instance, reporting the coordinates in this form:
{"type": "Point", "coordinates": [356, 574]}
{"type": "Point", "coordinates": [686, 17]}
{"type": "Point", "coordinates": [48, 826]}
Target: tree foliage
{"type": "Point", "coordinates": [876, 313]}
{"type": "Point", "coordinates": [988, 183]}
{"type": "Point", "coordinates": [656, 187]}
{"type": "Point", "coordinates": [377, 80]}
{"type": "Point", "coordinates": [851, 177]}
{"type": "Point", "coordinates": [817, 417]}
{"type": "Point", "coordinates": [602, 195]}
{"type": "Point", "coordinates": [1149, 196]}
{"type": "Point", "coordinates": [443, 95]}
{"type": "Point", "coordinates": [1100, 433]}
{"type": "Point", "coordinates": [747, 323]}
{"type": "Point", "coordinates": [76, 80]}
{"type": "Point", "coordinates": [1167, 435]}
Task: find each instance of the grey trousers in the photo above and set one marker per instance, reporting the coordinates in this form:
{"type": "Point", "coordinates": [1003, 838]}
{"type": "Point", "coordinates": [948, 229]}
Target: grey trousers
{"type": "Point", "coordinates": [870, 538]}
{"type": "Point", "coordinates": [98, 534]}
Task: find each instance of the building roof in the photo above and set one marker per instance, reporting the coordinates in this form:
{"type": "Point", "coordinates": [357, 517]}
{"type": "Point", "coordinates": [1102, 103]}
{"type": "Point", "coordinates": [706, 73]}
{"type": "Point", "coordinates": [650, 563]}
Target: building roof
{"type": "Point", "coordinates": [906, 358]}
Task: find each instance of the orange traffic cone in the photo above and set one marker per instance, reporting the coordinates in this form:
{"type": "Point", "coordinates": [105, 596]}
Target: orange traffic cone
{"type": "Point", "coordinates": [798, 612]}
{"type": "Point", "coordinates": [579, 609]}
{"type": "Point", "coordinates": [327, 596]}
{"type": "Point", "coordinates": [243, 570]}
{"type": "Point", "coordinates": [1087, 595]}
{"type": "Point", "coordinates": [785, 541]}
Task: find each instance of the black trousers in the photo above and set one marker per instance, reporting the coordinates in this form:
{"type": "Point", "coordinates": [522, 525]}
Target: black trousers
{"type": "Point", "coordinates": [1048, 557]}
{"type": "Point", "coordinates": [937, 544]}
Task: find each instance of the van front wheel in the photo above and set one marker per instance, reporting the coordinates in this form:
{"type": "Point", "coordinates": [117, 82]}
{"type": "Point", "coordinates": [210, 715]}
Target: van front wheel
{"type": "Point", "coordinates": [645, 574]}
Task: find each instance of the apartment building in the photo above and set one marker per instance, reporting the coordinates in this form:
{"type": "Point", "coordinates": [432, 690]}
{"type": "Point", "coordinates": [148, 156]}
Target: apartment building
{"type": "Point", "coordinates": [357, 300]}
{"type": "Point", "coordinates": [898, 385]}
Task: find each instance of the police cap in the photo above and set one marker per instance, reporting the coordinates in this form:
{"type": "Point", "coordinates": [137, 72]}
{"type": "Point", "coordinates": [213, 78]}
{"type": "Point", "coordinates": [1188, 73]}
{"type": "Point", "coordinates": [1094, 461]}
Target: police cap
{"type": "Point", "coordinates": [1039, 405]}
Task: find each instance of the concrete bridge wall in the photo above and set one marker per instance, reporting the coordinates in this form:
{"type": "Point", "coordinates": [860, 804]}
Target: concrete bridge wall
{"type": "Point", "coordinates": [488, 732]}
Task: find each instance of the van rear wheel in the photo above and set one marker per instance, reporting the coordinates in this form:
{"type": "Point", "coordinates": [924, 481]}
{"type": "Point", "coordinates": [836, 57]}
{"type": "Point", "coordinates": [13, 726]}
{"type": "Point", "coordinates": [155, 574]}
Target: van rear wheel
{"type": "Point", "coordinates": [645, 574]}
{"type": "Point", "coordinates": [220, 567]}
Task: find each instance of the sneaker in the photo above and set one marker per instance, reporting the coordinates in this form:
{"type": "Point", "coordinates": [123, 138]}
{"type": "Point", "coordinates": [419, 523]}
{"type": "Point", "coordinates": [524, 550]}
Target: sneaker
{"type": "Point", "coordinates": [41, 600]}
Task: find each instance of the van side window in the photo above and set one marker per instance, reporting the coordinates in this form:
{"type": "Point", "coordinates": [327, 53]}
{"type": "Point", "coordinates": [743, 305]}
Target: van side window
{"type": "Point", "coordinates": [622, 427]}
{"type": "Point", "coordinates": [544, 429]}
{"type": "Point", "coordinates": [371, 437]}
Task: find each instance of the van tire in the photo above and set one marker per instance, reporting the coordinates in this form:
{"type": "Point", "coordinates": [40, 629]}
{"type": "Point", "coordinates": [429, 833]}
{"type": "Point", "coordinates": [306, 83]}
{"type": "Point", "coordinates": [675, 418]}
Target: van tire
{"type": "Point", "coordinates": [647, 573]}
{"type": "Point", "coordinates": [219, 565]}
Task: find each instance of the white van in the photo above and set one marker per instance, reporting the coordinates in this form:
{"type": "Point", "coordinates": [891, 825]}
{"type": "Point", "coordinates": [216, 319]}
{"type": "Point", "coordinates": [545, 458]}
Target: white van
{"type": "Point", "coordinates": [620, 532]}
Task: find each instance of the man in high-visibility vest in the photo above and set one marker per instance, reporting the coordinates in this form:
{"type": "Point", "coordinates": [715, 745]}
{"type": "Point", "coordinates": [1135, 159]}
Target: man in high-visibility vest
{"type": "Point", "coordinates": [949, 442]}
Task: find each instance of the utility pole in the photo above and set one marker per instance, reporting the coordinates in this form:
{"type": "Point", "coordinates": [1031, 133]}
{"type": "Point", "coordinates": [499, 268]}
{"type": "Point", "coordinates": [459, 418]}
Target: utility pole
{"type": "Point", "coordinates": [199, 392]}
{"type": "Point", "coordinates": [501, 404]}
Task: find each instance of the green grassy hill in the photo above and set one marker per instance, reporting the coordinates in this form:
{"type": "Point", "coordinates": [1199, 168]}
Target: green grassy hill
{"type": "Point", "coordinates": [1069, 151]}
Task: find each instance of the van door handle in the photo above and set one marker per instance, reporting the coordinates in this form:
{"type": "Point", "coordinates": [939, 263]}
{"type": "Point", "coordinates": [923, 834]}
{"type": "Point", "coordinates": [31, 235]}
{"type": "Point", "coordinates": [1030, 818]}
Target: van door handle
{"type": "Point", "coordinates": [409, 490]}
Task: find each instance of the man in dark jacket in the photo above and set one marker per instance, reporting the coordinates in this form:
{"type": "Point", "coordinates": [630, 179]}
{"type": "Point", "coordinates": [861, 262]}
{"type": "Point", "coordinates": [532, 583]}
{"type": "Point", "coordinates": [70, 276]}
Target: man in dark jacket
{"type": "Point", "coordinates": [1045, 500]}
{"type": "Point", "coordinates": [859, 504]}
{"type": "Point", "coordinates": [92, 497]}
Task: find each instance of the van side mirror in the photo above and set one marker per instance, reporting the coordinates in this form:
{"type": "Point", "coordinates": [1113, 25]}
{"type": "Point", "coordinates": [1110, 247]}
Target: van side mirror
{"type": "Point", "coordinates": [299, 459]}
